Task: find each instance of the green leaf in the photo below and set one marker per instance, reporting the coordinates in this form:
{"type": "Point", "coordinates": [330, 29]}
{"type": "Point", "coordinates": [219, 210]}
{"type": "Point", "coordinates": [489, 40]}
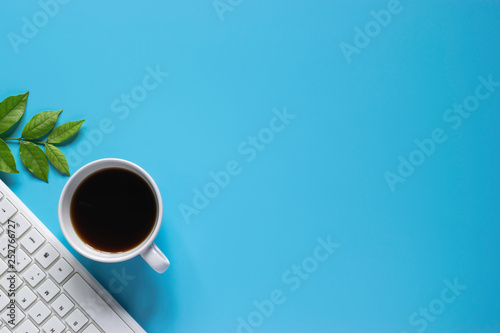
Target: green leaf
{"type": "Point", "coordinates": [56, 157]}
{"type": "Point", "coordinates": [40, 124]}
{"type": "Point", "coordinates": [34, 159]}
{"type": "Point", "coordinates": [7, 162]}
{"type": "Point", "coordinates": [11, 110]}
{"type": "Point", "coordinates": [64, 132]}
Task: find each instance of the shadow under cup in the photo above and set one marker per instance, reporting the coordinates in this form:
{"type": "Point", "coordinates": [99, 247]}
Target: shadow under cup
{"type": "Point", "coordinates": [110, 210]}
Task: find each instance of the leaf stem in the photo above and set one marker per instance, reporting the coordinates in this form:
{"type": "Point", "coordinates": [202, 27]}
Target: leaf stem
{"type": "Point", "coordinates": [22, 139]}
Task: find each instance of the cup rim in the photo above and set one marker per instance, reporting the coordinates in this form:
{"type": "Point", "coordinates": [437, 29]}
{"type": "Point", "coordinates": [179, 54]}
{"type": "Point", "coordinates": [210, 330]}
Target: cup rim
{"type": "Point", "coordinates": [65, 219]}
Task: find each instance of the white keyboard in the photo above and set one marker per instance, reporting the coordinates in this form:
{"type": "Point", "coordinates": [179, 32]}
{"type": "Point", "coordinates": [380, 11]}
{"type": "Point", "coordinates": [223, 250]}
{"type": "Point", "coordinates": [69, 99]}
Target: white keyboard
{"type": "Point", "coordinates": [43, 288]}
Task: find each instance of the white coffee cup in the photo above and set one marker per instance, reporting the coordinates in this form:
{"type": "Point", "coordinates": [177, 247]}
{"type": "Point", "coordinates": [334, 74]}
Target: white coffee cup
{"type": "Point", "coordinates": [147, 249]}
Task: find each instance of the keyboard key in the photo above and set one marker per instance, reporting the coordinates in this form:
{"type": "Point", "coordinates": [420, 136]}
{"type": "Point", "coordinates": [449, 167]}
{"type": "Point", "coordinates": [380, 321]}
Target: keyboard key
{"type": "Point", "coordinates": [5, 330]}
{"type": "Point", "coordinates": [76, 320]}
{"type": "Point", "coordinates": [46, 255]}
{"type": "Point", "coordinates": [22, 260]}
{"type": "Point", "coordinates": [62, 305]}
{"type": "Point", "coordinates": [60, 270]}
{"type": "Point", "coordinates": [4, 300]}
{"type": "Point", "coordinates": [48, 290]}
{"type": "Point", "coordinates": [3, 267]}
{"type": "Point", "coordinates": [34, 275]}
{"type": "Point", "coordinates": [91, 329]}
{"type": "Point", "coordinates": [10, 281]}
{"type": "Point", "coordinates": [22, 224]}
{"type": "Point", "coordinates": [12, 318]}
{"type": "Point", "coordinates": [32, 240]}
{"type": "Point", "coordinates": [4, 244]}
{"type": "Point", "coordinates": [53, 325]}
{"type": "Point", "coordinates": [84, 295]}
{"type": "Point", "coordinates": [39, 312]}
{"type": "Point", "coordinates": [25, 297]}
{"type": "Point", "coordinates": [7, 209]}
{"type": "Point", "coordinates": [28, 327]}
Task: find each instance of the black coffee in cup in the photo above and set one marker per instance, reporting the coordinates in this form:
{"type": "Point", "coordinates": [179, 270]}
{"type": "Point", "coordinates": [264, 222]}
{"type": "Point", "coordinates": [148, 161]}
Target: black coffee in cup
{"type": "Point", "coordinates": [113, 210]}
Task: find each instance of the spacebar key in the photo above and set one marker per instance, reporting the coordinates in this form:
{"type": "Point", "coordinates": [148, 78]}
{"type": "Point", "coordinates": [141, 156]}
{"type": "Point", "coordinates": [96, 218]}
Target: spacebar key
{"type": "Point", "coordinates": [95, 306]}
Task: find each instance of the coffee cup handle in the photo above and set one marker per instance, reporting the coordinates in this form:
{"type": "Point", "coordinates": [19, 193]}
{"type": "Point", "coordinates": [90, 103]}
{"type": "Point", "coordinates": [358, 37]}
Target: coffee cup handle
{"type": "Point", "coordinates": [155, 258]}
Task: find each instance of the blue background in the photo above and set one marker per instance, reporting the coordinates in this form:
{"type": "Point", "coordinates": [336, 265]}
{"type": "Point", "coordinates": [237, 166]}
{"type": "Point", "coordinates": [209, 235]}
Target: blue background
{"type": "Point", "coordinates": [323, 175]}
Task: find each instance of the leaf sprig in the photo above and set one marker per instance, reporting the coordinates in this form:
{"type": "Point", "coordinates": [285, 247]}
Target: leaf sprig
{"type": "Point", "coordinates": [33, 157]}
